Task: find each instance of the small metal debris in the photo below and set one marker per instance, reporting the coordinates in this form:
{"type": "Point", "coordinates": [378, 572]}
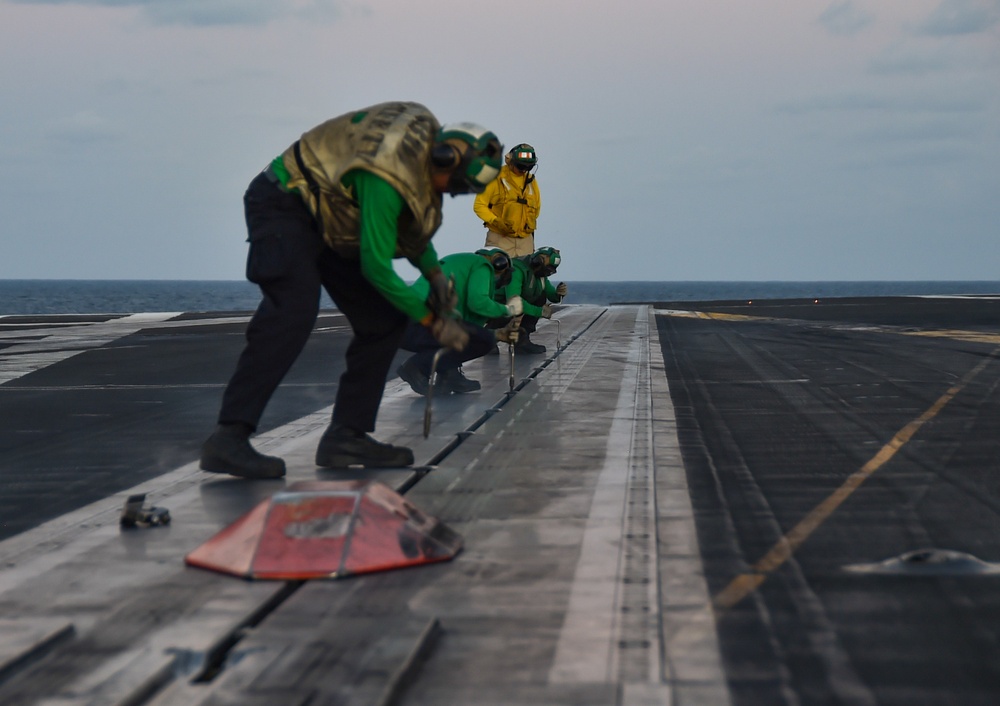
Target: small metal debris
{"type": "Point", "coordinates": [135, 513]}
{"type": "Point", "coordinates": [928, 562]}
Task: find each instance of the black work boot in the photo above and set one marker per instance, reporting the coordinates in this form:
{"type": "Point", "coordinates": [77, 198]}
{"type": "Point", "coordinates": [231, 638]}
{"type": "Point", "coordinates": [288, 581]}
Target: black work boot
{"type": "Point", "coordinates": [409, 372]}
{"type": "Point", "coordinates": [455, 381]}
{"type": "Point", "coordinates": [525, 345]}
{"type": "Point", "coordinates": [342, 446]}
{"type": "Point", "coordinates": [228, 450]}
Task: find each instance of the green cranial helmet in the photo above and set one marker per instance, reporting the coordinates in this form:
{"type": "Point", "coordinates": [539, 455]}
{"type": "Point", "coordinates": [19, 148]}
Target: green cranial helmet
{"type": "Point", "coordinates": [500, 261]}
{"type": "Point", "coordinates": [544, 261]}
{"type": "Point", "coordinates": [476, 156]}
{"type": "Point", "coordinates": [523, 157]}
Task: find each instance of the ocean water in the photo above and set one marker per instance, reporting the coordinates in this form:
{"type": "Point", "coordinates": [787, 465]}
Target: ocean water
{"type": "Point", "coordinates": [21, 297]}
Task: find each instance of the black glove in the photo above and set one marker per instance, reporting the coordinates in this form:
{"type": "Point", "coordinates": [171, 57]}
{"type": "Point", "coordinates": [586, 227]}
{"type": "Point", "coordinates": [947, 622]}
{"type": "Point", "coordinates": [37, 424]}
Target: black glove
{"type": "Point", "coordinates": [441, 299]}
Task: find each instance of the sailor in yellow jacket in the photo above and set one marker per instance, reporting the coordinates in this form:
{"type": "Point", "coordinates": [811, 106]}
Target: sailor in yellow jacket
{"type": "Point", "coordinates": [510, 204]}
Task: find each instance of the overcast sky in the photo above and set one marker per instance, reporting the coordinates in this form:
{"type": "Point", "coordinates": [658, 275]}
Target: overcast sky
{"type": "Point", "coordinates": [711, 140]}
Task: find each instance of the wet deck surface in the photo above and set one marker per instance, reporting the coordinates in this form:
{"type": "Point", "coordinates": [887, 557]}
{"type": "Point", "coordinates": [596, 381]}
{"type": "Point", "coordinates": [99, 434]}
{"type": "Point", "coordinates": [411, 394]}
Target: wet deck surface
{"type": "Point", "coordinates": [670, 508]}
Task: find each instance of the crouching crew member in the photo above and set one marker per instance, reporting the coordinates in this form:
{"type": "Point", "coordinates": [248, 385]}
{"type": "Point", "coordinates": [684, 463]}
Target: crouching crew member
{"type": "Point", "coordinates": [477, 277]}
{"type": "Point", "coordinates": [530, 281]}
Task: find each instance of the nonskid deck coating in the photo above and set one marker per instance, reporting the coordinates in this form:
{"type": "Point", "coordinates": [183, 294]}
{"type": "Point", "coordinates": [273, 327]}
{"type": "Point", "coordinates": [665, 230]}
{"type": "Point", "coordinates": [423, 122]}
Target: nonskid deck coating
{"type": "Point", "coordinates": [527, 527]}
{"type": "Point", "coordinates": [583, 579]}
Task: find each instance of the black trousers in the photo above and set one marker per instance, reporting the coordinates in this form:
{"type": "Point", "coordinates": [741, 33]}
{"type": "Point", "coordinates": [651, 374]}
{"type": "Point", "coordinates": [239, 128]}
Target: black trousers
{"type": "Point", "coordinates": [290, 263]}
{"type": "Point", "coordinates": [528, 322]}
{"type": "Point", "coordinates": [422, 343]}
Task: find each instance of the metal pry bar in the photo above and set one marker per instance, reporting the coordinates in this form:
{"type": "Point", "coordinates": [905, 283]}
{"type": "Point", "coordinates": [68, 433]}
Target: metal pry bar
{"type": "Point", "coordinates": [510, 356]}
{"type": "Point", "coordinates": [428, 412]}
{"type": "Point", "coordinates": [517, 322]}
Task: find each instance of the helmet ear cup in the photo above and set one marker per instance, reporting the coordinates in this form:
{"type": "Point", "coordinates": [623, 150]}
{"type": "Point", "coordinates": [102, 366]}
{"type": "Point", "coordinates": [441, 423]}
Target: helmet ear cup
{"type": "Point", "coordinates": [501, 268]}
{"type": "Point", "coordinates": [499, 259]}
{"type": "Point", "coordinates": [500, 262]}
{"type": "Point", "coordinates": [445, 156]}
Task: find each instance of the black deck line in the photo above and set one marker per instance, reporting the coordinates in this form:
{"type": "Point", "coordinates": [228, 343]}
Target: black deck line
{"type": "Point", "coordinates": [215, 660]}
{"type": "Point", "coordinates": [36, 652]}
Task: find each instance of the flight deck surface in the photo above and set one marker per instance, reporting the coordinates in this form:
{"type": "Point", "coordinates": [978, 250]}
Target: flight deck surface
{"type": "Point", "coordinates": [679, 503]}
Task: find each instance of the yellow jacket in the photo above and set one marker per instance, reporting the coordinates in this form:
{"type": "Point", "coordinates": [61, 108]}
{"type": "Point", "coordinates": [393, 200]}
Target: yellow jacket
{"type": "Point", "coordinates": [513, 198]}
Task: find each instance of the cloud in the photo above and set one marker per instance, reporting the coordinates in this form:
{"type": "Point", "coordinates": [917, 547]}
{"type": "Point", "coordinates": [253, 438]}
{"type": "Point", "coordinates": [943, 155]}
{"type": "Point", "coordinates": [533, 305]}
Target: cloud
{"type": "Point", "coordinates": [910, 157]}
{"type": "Point", "coordinates": [953, 17]}
{"type": "Point", "coordinates": [843, 18]}
{"type": "Point", "coordinates": [915, 63]}
{"type": "Point", "coordinates": [207, 13]}
{"type": "Point", "coordinates": [928, 102]}
{"type": "Point", "coordinates": [905, 59]}
{"type": "Point", "coordinates": [83, 127]}
{"type": "Point", "coordinates": [923, 132]}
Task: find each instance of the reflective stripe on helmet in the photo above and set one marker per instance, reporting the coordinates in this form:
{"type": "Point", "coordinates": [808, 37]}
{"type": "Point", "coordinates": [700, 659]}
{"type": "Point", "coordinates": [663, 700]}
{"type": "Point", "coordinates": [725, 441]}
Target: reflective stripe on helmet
{"type": "Point", "coordinates": [485, 175]}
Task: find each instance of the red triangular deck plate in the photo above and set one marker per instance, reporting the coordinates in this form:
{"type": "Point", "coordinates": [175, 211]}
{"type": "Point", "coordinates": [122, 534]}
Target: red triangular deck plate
{"type": "Point", "coordinates": [327, 529]}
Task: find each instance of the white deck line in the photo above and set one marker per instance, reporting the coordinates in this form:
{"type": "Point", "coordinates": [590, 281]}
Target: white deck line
{"type": "Point", "coordinates": [596, 599]}
{"type": "Point", "coordinates": [61, 343]}
{"type": "Point", "coordinates": [688, 663]}
{"type": "Point", "coordinates": [591, 611]}
{"type": "Point", "coordinates": [693, 660]}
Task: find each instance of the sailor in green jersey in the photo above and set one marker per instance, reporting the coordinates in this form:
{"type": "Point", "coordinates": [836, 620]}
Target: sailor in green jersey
{"type": "Point", "coordinates": [530, 280]}
{"type": "Point", "coordinates": [331, 213]}
{"type": "Point", "coordinates": [477, 276]}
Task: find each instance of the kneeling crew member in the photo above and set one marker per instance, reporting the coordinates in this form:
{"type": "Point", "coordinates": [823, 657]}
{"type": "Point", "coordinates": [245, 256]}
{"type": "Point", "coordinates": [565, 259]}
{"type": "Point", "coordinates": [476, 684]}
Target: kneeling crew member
{"type": "Point", "coordinates": [477, 276]}
{"type": "Point", "coordinates": [530, 281]}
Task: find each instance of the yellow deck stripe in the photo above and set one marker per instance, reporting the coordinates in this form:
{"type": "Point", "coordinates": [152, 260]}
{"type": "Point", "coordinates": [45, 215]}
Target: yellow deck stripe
{"type": "Point", "coordinates": [744, 584]}
{"type": "Point", "coordinates": [956, 334]}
